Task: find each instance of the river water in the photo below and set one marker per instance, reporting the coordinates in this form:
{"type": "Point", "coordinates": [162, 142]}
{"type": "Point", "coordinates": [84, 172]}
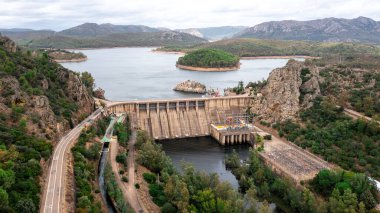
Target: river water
{"type": "Point", "coordinates": [205, 154]}
{"type": "Point", "coordinates": [139, 73]}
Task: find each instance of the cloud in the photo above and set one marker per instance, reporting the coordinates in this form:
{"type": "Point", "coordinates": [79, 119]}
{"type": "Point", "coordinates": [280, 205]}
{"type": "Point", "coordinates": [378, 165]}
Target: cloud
{"type": "Point", "coordinates": [61, 14]}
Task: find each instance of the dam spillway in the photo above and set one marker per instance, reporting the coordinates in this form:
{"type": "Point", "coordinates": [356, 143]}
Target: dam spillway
{"type": "Point", "coordinates": [180, 118]}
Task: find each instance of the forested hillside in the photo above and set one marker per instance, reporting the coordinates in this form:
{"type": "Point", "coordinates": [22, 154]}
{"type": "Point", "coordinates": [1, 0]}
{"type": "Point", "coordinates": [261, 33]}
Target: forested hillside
{"type": "Point", "coordinates": [250, 47]}
{"type": "Point", "coordinates": [39, 100]}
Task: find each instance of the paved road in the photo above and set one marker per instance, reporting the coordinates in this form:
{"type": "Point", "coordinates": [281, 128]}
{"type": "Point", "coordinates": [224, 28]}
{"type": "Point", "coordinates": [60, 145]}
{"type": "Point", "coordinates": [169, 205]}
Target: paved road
{"type": "Point", "coordinates": [54, 195]}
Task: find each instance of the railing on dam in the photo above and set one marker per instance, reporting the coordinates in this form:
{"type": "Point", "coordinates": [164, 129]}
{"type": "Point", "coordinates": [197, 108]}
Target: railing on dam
{"type": "Point", "coordinates": [177, 118]}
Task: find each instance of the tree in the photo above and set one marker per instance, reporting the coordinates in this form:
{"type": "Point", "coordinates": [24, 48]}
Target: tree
{"type": "Point", "coordinates": [26, 206]}
{"type": "Point", "coordinates": [7, 178]}
{"type": "Point", "coordinates": [251, 200]}
{"type": "Point", "coordinates": [88, 80]}
{"type": "Point", "coordinates": [232, 160]}
{"type": "Point", "coordinates": [343, 203]}
{"type": "Point", "coordinates": [84, 202]}
{"type": "Point", "coordinates": [308, 202]}
{"type": "Point", "coordinates": [205, 201]}
{"type": "Point", "coordinates": [177, 192]}
{"type": "Point", "coordinates": [3, 197]}
{"type": "Point", "coordinates": [264, 207]}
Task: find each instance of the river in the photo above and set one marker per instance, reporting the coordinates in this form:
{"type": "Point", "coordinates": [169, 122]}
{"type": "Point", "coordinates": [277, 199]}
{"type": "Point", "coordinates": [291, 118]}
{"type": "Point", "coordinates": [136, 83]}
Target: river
{"type": "Point", "coordinates": [139, 73]}
{"type": "Point", "coordinates": [205, 154]}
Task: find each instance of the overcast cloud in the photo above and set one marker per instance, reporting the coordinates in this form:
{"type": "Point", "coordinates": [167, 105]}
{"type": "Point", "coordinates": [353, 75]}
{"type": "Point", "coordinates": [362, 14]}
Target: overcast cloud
{"type": "Point", "coordinates": [62, 14]}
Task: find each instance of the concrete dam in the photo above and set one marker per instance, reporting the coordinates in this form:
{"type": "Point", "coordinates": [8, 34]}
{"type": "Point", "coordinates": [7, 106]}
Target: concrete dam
{"type": "Point", "coordinates": [183, 118]}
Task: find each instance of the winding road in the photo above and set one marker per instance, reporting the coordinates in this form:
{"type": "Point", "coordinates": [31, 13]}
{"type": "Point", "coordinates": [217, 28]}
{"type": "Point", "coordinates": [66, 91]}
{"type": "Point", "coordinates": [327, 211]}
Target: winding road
{"type": "Point", "coordinates": [54, 193]}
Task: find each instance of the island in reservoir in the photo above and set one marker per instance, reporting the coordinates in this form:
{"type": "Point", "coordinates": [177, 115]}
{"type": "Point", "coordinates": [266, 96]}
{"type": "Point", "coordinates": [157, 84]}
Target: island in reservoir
{"type": "Point", "coordinates": [62, 56]}
{"type": "Point", "coordinates": [191, 87]}
{"type": "Point", "coordinates": [209, 60]}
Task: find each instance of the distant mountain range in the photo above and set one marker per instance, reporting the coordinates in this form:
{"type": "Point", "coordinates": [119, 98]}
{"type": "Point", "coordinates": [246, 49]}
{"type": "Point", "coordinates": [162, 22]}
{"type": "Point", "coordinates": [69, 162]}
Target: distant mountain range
{"type": "Point", "coordinates": [92, 29]}
{"type": "Point", "coordinates": [214, 33]}
{"type": "Point", "coordinates": [93, 35]}
{"type": "Point", "coordinates": [360, 29]}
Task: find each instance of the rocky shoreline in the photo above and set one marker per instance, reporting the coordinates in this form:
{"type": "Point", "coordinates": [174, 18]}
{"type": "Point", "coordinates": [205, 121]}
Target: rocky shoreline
{"type": "Point", "coordinates": [191, 87]}
{"type": "Point", "coordinates": [70, 60]}
{"type": "Point", "coordinates": [204, 69]}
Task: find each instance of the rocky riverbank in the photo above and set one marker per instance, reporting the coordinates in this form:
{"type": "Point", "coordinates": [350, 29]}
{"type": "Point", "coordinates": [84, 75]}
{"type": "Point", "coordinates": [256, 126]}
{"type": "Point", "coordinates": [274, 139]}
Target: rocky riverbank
{"type": "Point", "coordinates": [191, 87]}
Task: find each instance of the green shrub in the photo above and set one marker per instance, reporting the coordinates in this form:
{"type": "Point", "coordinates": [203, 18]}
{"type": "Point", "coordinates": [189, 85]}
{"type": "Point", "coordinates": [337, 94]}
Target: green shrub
{"type": "Point", "coordinates": [149, 178]}
{"type": "Point", "coordinates": [121, 158]}
{"type": "Point", "coordinates": [125, 179]}
{"type": "Point", "coordinates": [137, 186]}
{"type": "Point", "coordinates": [121, 171]}
{"type": "Point", "coordinates": [268, 137]}
{"type": "Point", "coordinates": [168, 208]}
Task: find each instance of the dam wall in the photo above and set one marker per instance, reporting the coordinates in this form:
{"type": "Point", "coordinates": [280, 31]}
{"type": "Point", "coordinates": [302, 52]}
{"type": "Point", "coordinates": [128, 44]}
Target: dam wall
{"type": "Point", "coordinates": [179, 118]}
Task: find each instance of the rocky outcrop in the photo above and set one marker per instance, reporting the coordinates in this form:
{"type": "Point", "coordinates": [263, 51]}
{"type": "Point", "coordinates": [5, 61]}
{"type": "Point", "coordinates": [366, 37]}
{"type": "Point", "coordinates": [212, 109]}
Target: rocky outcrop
{"type": "Point", "coordinates": [288, 89]}
{"type": "Point", "coordinates": [8, 44]}
{"type": "Point", "coordinates": [191, 87]}
{"type": "Point", "coordinates": [78, 94]}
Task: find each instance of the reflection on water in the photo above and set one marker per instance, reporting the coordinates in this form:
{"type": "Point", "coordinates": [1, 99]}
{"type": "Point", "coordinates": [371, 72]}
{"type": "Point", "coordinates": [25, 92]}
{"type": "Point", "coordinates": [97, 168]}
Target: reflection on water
{"type": "Point", "coordinates": [139, 73]}
{"type": "Point", "coordinates": [205, 154]}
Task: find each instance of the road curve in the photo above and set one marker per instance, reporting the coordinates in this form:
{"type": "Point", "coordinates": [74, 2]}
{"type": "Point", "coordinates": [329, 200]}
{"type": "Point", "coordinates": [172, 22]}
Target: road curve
{"type": "Point", "coordinates": [54, 194]}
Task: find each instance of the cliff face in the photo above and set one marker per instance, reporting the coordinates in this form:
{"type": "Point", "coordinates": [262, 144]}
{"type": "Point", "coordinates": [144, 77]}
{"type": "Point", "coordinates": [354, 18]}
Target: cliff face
{"type": "Point", "coordinates": [48, 97]}
{"type": "Point", "coordinates": [288, 89]}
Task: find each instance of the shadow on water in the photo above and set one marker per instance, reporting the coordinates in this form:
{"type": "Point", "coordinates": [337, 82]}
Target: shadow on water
{"type": "Point", "coordinates": [102, 165]}
{"type": "Point", "coordinates": [205, 154]}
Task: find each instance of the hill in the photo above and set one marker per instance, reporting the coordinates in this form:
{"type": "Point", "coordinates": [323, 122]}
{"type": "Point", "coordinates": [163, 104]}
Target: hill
{"type": "Point", "coordinates": [22, 36]}
{"type": "Point", "coordinates": [250, 47]}
{"type": "Point", "coordinates": [39, 101]}
{"type": "Point", "coordinates": [93, 29]}
{"type": "Point", "coordinates": [214, 33]}
{"type": "Point", "coordinates": [360, 29]}
{"type": "Point", "coordinates": [117, 40]}
{"type": "Point", "coordinates": [92, 35]}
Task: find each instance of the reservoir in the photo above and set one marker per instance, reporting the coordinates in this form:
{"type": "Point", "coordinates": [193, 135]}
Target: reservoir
{"type": "Point", "coordinates": [139, 73]}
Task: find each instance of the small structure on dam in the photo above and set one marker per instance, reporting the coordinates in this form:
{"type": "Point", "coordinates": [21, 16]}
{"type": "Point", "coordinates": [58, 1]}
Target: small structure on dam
{"type": "Point", "coordinates": [232, 128]}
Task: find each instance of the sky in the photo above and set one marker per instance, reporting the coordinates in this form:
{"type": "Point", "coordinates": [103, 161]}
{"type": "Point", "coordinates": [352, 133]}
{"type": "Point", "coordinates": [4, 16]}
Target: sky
{"type": "Point", "coordinates": [175, 14]}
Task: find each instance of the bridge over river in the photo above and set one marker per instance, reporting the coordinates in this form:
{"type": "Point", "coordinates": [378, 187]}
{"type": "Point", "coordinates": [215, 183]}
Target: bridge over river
{"type": "Point", "coordinates": [182, 118]}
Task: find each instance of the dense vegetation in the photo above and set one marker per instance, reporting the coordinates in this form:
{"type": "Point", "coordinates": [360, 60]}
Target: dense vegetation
{"type": "Point", "coordinates": [209, 58]}
{"type": "Point", "coordinates": [249, 47]}
{"type": "Point", "coordinates": [114, 192]}
{"type": "Point", "coordinates": [352, 144]}
{"type": "Point", "coordinates": [22, 153]}
{"type": "Point", "coordinates": [357, 90]}
{"type": "Point", "coordinates": [123, 131]}
{"type": "Point", "coordinates": [20, 156]}
{"type": "Point", "coordinates": [191, 191]}
{"type": "Point", "coordinates": [341, 191]}
{"type": "Point", "coordinates": [85, 169]}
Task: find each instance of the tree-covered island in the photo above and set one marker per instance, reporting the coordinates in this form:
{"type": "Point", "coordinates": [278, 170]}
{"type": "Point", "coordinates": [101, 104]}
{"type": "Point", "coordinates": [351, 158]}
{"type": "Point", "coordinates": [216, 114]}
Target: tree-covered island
{"type": "Point", "coordinates": [209, 60]}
